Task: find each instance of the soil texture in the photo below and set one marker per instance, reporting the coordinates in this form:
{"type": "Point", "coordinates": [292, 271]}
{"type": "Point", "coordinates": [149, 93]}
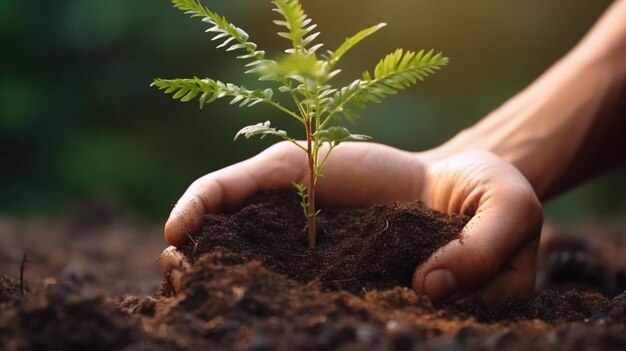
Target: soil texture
{"type": "Point", "coordinates": [254, 285]}
{"type": "Point", "coordinates": [358, 249]}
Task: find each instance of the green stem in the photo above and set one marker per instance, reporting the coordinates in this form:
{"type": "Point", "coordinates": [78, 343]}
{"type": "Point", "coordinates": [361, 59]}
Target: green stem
{"type": "Point", "coordinates": [321, 165]}
{"type": "Point", "coordinates": [278, 106]}
{"type": "Point", "coordinates": [332, 113]}
{"type": "Point", "coordinates": [311, 229]}
{"type": "Point", "coordinates": [316, 141]}
{"type": "Point", "coordinates": [293, 141]}
{"type": "Point", "coordinates": [295, 98]}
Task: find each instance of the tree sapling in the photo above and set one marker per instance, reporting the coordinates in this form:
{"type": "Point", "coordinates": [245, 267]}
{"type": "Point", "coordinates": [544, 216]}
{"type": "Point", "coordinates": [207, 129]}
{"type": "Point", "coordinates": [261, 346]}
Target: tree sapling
{"type": "Point", "coordinates": [304, 75]}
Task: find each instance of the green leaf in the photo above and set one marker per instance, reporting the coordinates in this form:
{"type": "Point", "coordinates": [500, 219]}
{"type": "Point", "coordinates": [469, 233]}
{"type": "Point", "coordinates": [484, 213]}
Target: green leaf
{"type": "Point", "coordinates": [304, 197]}
{"type": "Point", "coordinates": [298, 25]}
{"type": "Point", "coordinates": [261, 129]}
{"type": "Point", "coordinates": [350, 42]}
{"type": "Point", "coordinates": [397, 70]}
{"type": "Point", "coordinates": [336, 135]}
{"type": "Point", "coordinates": [296, 66]}
{"type": "Point", "coordinates": [223, 29]}
{"type": "Point", "coordinates": [211, 90]}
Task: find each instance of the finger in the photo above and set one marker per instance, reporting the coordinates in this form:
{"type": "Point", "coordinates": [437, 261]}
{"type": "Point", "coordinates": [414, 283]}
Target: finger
{"type": "Point", "coordinates": [504, 222]}
{"type": "Point", "coordinates": [516, 278]}
{"type": "Point", "coordinates": [206, 195]}
{"type": "Point", "coordinates": [173, 265]}
{"type": "Point", "coordinates": [362, 174]}
{"type": "Point", "coordinates": [228, 188]}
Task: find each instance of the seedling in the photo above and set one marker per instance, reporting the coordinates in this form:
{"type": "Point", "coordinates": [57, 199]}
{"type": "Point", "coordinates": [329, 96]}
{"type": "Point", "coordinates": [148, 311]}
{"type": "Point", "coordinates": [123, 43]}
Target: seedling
{"type": "Point", "coordinates": [304, 75]}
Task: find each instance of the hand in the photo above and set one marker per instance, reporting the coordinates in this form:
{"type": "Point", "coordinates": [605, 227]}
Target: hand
{"type": "Point", "coordinates": [495, 257]}
{"type": "Point", "coordinates": [497, 250]}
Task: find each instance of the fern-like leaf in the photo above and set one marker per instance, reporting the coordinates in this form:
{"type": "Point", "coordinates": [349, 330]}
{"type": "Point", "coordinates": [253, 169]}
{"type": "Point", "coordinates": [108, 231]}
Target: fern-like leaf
{"type": "Point", "coordinates": [210, 90]}
{"type": "Point", "coordinates": [336, 135]}
{"type": "Point", "coordinates": [396, 71]}
{"type": "Point", "coordinates": [335, 56]}
{"type": "Point", "coordinates": [232, 37]}
{"type": "Point", "coordinates": [298, 25]}
{"type": "Point", "coordinates": [298, 67]}
{"type": "Point", "coordinates": [262, 130]}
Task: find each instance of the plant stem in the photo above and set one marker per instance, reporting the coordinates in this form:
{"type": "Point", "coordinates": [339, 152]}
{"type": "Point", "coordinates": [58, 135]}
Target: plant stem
{"type": "Point", "coordinates": [278, 106]}
{"type": "Point", "coordinates": [24, 260]}
{"type": "Point", "coordinates": [311, 230]}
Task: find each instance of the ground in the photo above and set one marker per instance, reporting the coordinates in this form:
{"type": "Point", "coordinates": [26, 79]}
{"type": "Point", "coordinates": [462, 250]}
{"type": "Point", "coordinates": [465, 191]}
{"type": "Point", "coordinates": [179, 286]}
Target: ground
{"type": "Point", "coordinates": [92, 282]}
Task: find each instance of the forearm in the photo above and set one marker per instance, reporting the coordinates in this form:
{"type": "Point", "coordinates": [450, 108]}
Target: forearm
{"type": "Point", "coordinates": [569, 124]}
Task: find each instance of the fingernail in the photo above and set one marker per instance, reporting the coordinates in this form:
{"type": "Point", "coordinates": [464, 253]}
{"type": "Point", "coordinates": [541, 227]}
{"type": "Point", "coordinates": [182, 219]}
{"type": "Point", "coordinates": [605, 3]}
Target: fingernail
{"type": "Point", "coordinates": [439, 284]}
{"type": "Point", "coordinates": [175, 278]}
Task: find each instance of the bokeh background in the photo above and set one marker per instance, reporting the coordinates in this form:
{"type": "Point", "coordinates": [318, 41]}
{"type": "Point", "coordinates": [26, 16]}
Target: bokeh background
{"type": "Point", "coordinates": [78, 120]}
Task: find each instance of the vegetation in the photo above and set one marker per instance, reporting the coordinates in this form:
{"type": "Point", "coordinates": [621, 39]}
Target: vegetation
{"type": "Point", "coordinates": [303, 73]}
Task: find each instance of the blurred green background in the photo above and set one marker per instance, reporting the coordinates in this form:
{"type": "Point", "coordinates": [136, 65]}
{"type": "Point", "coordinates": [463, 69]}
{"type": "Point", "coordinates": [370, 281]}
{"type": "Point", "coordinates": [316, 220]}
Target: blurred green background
{"type": "Point", "coordinates": [78, 120]}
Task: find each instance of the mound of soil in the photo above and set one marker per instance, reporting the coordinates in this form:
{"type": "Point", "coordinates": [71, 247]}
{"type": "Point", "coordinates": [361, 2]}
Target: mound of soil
{"type": "Point", "coordinates": [230, 302]}
{"type": "Point", "coordinates": [255, 286]}
{"type": "Point", "coordinates": [358, 249]}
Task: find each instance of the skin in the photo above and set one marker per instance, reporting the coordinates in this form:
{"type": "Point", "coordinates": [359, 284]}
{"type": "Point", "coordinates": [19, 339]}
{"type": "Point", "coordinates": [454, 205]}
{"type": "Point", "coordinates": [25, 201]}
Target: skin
{"type": "Point", "coordinates": [563, 129]}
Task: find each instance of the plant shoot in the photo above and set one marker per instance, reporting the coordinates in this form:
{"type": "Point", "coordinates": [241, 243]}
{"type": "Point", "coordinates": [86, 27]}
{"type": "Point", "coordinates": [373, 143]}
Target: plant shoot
{"type": "Point", "coordinates": [304, 74]}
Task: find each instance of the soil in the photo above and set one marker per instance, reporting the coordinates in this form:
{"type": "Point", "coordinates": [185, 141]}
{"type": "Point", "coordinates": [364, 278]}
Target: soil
{"type": "Point", "coordinates": [93, 284]}
{"type": "Point", "coordinates": [358, 249]}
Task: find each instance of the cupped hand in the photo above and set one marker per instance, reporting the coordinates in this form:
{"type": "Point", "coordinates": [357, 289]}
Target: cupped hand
{"type": "Point", "coordinates": [495, 255]}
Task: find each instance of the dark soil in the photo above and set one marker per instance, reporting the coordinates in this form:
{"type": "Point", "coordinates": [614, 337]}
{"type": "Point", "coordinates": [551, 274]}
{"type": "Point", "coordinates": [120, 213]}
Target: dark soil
{"type": "Point", "coordinates": [358, 249]}
{"type": "Point", "coordinates": [255, 286]}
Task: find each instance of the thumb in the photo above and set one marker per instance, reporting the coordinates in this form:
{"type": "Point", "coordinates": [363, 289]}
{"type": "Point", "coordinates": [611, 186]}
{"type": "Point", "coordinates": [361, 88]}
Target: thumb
{"type": "Point", "coordinates": [495, 254]}
{"type": "Point", "coordinates": [229, 187]}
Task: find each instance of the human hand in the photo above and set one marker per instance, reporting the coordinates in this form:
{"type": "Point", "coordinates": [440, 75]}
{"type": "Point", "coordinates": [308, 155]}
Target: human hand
{"type": "Point", "coordinates": [357, 174]}
{"type": "Point", "coordinates": [496, 255]}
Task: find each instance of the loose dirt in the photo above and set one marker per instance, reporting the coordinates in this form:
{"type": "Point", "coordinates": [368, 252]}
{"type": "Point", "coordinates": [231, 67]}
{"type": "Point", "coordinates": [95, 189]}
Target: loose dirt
{"type": "Point", "coordinates": [255, 285]}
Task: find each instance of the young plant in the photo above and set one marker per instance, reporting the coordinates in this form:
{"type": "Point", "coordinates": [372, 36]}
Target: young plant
{"type": "Point", "coordinates": [304, 75]}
